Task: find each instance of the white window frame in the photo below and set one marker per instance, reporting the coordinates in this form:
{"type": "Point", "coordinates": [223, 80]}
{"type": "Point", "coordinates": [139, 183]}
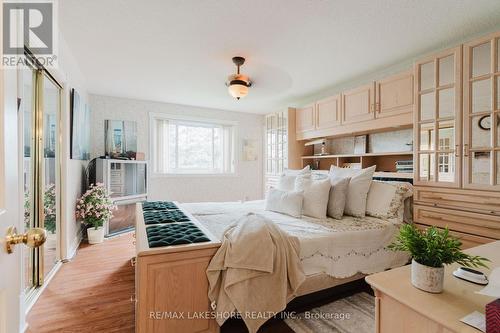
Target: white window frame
{"type": "Point", "coordinates": [154, 116]}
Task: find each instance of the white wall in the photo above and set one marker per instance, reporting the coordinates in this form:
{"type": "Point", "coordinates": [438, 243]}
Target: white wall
{"type": "Point", "coordinates": [247, 184]}
{"type": "Point", "coordinates": [70, 76]}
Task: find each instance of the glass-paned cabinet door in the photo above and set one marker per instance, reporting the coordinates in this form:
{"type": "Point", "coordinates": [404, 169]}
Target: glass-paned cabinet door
{"type": "Point", "coordinates": [482, 113]}
{"type": "Point", "coordinates": [276, 143]}
{"type": "Point", "coordinates": [437, 119]}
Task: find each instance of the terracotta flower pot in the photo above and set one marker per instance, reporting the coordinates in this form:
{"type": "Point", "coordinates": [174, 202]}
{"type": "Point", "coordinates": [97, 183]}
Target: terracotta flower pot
{"type": "Point", "coordinates": [427, 278]}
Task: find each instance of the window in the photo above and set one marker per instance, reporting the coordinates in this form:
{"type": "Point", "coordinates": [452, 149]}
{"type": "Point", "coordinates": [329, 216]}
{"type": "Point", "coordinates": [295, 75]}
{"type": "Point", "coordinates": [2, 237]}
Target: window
{"type": "Point", "coordinates": [187, 146]}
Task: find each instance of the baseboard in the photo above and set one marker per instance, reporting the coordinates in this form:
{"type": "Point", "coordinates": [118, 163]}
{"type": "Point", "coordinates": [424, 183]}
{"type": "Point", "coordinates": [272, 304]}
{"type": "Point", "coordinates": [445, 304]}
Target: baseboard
{"type": "Point", "coordinates": [33, 298]}
{"type": "Point", "coordinates": [74, 247]}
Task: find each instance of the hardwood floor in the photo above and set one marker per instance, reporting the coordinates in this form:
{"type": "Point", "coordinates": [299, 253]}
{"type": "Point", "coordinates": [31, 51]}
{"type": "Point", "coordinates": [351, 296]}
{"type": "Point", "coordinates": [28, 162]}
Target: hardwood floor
{"type": "Point", "coordinates": [92, 293]}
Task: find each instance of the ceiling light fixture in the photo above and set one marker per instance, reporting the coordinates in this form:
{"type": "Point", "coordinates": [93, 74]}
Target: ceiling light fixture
{"type": "Point", "coordinates": [238, 84]}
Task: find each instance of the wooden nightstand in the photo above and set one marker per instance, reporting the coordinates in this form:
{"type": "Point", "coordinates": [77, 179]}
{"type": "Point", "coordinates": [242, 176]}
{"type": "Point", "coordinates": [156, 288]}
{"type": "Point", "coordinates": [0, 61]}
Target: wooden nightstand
{"type": "Point", "coordinates": [400, 307]}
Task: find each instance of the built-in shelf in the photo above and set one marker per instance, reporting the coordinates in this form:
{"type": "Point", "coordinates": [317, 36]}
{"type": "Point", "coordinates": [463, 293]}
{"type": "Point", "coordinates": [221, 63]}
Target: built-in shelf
{"type": "Point", "coordinates": [381, 174]}
{"type": "Point", "coordinates": [385, 162]}
{"type": "Point", "coordinates": [403, 175]}
{"type": "Point", "coordinates": [314, 157]}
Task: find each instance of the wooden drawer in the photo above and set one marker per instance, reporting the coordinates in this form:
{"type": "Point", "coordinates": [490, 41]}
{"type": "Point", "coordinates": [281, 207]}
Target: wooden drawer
{"type": "Point", "coordinates": [468, 241]}
{"type": "Point", "coordinates": [395, 317]}
{"type": "Point", "coordinates": [476, 201]}
{"type": "Point", "coordinates": [467, 222]}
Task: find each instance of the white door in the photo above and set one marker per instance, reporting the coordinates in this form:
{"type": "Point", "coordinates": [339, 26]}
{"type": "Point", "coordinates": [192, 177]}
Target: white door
{"type": "Point", "coordinates": [11, 279]}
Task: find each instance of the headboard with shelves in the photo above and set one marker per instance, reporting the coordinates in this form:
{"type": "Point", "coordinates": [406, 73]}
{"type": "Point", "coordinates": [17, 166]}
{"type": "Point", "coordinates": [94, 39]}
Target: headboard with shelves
{"type": "Point", "coordinates": [386, 161]}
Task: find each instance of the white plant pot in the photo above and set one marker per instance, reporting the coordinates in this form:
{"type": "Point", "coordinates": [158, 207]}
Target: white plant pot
{"type": "Point", "coordinates": [95, 236]}
{"type": "Point", "coordinates": [427, 278]}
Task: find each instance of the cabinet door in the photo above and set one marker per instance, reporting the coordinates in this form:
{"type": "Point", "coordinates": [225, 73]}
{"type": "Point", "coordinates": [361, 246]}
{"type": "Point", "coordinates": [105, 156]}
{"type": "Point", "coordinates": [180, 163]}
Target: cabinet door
{"type": "Point", "coordinates": [276, 143]}
{"type": "Point", "coordinates": [437, 118]}
{"type": "Point", "coordinates": [358, 104]}
{"type": "Point", "coordinates": [328, 112]}
{"type": "Point", "coordinates": [304, 118]}
{"type": "Point", "coordinates": [482, 114]}
{"type": "Point", "coordinates": [394, 95]}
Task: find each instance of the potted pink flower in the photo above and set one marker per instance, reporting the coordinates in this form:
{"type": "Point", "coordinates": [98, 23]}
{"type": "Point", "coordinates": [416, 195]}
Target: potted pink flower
{"type": "Point", "coordinates": [94, 209]}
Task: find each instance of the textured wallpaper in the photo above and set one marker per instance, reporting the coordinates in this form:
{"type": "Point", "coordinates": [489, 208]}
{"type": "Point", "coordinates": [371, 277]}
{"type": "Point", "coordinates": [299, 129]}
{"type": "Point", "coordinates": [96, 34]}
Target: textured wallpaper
{"type": "Point", "coordinates": [246, 185]}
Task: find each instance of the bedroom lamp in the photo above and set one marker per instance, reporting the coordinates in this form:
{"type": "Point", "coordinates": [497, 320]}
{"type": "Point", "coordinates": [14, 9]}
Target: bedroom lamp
{"type": "Point", "coordinates": [238, 84]}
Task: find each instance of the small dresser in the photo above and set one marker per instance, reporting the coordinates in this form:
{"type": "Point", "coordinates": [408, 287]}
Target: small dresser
{"type": "Point", "coordinates": [400, 307]}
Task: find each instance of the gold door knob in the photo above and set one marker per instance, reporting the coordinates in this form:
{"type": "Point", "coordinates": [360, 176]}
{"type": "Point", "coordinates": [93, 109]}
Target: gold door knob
{"type": "Point", "coordinates": [33, 238]}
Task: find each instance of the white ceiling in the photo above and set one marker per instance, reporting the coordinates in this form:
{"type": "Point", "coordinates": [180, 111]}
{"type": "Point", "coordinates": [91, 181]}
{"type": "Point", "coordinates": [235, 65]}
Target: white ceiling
{"type": "Point", "coordinates": [179, 51]}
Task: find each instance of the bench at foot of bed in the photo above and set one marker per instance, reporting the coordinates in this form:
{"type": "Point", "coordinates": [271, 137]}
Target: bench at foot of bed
{"type": "Point", "coordinates": [170, 271]}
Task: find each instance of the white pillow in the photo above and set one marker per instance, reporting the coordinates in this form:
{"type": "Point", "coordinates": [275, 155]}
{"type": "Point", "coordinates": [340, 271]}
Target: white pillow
{"type": "Point", "coordinates": [289, 203]}
{"type": "Point", "coordinates": [357, 189]}
{"type": "Point", "coordinates": [386, 199]}
{"type": "Point", "coordinates": [379, 199]}
{"type": "Point", "coordinates": [305, 171]}
{"type": "Point", "coordinates": [315, 196]}
{"type": "Point", "coordinates": [287, 179]}
{"type": "Point", "coordinates": [338, 196]}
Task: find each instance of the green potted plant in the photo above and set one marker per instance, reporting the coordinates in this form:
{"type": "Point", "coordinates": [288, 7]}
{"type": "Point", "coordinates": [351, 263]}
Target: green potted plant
{"type": "Point", "coordinates": [49, 209]}
{"type": "Point", "coordinates": [430, 250]}
{"type": "Point", "coordinates": [94, 209]}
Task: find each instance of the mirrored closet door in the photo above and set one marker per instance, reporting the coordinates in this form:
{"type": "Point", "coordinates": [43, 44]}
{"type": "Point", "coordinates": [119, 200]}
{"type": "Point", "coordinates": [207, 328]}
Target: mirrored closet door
{"type": "Point", "coordinates": [482, 113]}
{"type": "Point", "coordinates": [40, 101]}
{"type": "Point", "coordinates": [438, 119]}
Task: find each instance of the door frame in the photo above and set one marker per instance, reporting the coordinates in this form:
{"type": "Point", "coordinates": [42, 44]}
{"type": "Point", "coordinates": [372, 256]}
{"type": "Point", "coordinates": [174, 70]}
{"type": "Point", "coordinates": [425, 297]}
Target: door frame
{"type": "Point", "coordinates": [12, 318]}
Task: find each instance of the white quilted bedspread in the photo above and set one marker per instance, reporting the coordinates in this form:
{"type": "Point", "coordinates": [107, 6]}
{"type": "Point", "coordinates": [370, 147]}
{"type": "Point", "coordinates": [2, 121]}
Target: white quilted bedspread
{"type": "Point", "coordinates": [339, 248]}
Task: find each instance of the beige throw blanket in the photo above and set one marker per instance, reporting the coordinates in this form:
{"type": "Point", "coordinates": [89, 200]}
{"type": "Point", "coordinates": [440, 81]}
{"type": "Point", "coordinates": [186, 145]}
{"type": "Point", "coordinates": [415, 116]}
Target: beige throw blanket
{"type": "Point", "coordinates": [255, 272]}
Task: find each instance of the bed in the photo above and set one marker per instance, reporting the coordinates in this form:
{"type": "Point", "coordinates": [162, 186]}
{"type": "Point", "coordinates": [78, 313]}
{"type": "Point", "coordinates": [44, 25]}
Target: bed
{"type": "Point", "coordinates": [332, 252]}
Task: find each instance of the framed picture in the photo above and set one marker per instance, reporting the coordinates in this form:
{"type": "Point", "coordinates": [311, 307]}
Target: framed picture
{"type": "Point", "coordinates": [249, 150]}
{"type": "Point", "coordinates": [360, 144]}
{"type": "Point", "coordinates": [121, 138]}
{"type": "Point", "coordinates": [80, 128]}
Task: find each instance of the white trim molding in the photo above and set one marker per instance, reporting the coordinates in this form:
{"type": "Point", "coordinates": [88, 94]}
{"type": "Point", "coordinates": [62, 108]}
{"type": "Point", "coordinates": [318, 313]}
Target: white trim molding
{"type": "Point", "coordinates": [230, 164]}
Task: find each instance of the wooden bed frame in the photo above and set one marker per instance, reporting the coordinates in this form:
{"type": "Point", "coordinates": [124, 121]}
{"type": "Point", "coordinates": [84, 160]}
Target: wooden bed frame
{"type": "Point", "coordinates": [171, 284]}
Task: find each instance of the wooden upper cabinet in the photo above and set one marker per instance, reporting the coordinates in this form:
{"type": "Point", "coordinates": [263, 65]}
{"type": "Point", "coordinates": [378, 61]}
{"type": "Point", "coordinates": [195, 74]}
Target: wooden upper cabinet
{"type": "Point", "coordinates": [304, 119]}
{"type": "Point", "coordinates": [358, 104]}
{"type": "Point", "coordinates": [394, 95]}
{"type": "Point", "coordinates": [328, 112]}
